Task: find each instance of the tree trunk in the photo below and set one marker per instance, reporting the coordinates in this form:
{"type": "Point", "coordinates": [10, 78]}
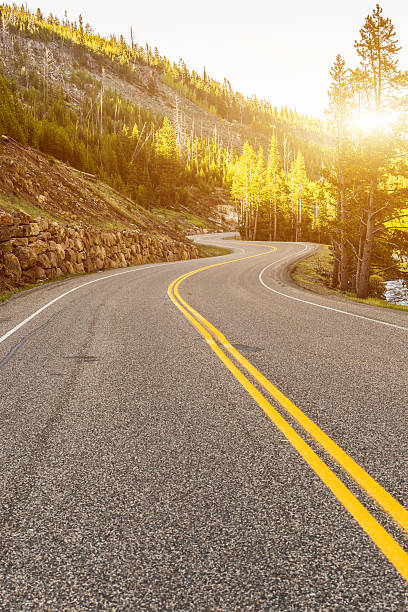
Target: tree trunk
{"type": "Point", "coordinates": [247, 224]}
{"type": "Point", "coordinates": [360, 251]}
{"type": "Point", "coordinates": [275, 210]}
{"type": "Point", "coordinates": [363, 285]}
{"type": "Point", "coordinates": [300, 215]}
{"type": "Point", "coordinates": [335, 277]}
{"type": "Point", "coordinates": [293, 211]}
{"type": "Point", "coordinates": [256, 222]}
{"type": "Point", "coordinates": [344, 269]}
{"type": "Point", "coordinates": [257, 208]}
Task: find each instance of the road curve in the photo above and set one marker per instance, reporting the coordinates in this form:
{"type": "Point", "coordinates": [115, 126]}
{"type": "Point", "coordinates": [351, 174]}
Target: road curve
{"type": "Point", "coordinates": [149, 462]}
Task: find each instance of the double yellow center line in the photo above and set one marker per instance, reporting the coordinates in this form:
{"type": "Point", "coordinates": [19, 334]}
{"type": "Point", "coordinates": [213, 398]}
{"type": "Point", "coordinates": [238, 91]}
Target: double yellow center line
{"type": "Point", "coordinates": [215, 339]}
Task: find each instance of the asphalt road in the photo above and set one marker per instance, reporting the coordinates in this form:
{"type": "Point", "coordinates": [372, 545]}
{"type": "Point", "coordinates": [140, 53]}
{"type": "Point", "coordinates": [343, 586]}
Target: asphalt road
{"type": "Point", "coordinates": [137, 472]}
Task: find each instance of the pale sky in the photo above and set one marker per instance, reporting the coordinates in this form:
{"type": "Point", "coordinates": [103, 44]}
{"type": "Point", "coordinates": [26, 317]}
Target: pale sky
{"type": "Point", "coordinates": [278, 50]}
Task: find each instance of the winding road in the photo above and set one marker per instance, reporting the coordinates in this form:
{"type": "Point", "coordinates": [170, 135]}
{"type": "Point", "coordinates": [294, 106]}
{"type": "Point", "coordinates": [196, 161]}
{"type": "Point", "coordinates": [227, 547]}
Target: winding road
{"type": "Point", "coordinates": [202, 435]}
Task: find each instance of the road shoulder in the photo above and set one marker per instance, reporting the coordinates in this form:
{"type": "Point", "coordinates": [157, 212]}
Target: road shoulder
{"type": "Point", "coordinates": [313, 273]}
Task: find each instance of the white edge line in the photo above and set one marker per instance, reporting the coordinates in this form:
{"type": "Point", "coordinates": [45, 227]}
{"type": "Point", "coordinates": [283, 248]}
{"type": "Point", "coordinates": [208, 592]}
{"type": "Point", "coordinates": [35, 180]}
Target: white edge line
{"type": "Point", "coordinates": [290, 297]}
{"type": "Point", "coordinates": [219, 244]}
{"type": "Point", "coordinates": [97, 280]}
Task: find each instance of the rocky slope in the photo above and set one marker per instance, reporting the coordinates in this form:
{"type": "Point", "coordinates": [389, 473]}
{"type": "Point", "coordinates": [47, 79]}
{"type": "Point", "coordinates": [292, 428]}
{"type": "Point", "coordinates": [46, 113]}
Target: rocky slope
{"type": "Point", "coordinates": [41, 185]}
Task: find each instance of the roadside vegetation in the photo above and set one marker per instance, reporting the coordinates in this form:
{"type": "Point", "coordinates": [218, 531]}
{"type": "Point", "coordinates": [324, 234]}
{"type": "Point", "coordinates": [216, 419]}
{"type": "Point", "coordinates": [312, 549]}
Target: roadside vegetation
{"type": "Point", "coordinates": [212, 251]}
{"type": "Point", "coordinates": [359, 201]}
{"type": "Point", "coordinates": [315, 273]}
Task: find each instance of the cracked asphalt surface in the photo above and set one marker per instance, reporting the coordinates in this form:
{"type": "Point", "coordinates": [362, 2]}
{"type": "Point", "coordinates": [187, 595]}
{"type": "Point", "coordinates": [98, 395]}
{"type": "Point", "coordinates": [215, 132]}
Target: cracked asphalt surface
{"type": "Point", "coordinates": [137, 474]}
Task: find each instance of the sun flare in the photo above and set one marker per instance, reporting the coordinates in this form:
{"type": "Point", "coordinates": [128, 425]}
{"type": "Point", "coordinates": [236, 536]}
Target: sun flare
{"type": "Point", "coordinates": [370, 122]}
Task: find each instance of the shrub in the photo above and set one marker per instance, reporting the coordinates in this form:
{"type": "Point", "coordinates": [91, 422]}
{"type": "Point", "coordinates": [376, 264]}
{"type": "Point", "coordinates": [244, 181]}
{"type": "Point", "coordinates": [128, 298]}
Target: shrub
{"type": "Point", "coordinates": [377, 286]}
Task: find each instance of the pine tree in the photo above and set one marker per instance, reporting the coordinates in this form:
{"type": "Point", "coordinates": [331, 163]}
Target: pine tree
{"type": "Point", "coordinates": [259, 181]}
{"type": "Point", "coordinates": [378, 50]}
{"type": "Point", "coordinates": [340, 106]}
{"type": "Point", "coordinates": [165, 147]}
{"type": "Point", "coordinates": [299, 194]}
{"type": "Point", "coordinates": [273, 185]}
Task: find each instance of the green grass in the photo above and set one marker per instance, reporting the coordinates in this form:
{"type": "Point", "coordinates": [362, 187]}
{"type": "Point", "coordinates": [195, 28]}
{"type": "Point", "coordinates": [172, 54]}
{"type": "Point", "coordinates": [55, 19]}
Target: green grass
{"type": "Point", "coordinates": [211, 251]}
{"type": "Point", "coordinates": [119, 203]}
{"type": "Point", "coordinates": [377, 302]}
{"type": "Point", "coordinates": [314, 272]}
{"type": "Point", "coordinates": [181, 218]}
{"type": "Point", "coordinates": [107, 226]}
{"type": "Point", "coordinates": [12, 203]}
{"type": "Point", "coordinates": [8, 294]}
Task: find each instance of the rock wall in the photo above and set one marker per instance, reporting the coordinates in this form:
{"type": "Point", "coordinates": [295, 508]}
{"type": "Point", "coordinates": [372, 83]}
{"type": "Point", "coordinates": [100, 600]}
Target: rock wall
{"type": "Point", "coordinates": [32, 250]}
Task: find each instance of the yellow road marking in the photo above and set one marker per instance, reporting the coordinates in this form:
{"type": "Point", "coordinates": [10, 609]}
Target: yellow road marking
{"type": "Point", "coordinates": [380, 495]}
{"type": "Point", "coordinates": [390, 548]}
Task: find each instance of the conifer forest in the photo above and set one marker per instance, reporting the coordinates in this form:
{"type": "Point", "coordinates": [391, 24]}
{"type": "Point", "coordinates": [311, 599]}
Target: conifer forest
{"type": "Point", "coordinates": [342, 181]}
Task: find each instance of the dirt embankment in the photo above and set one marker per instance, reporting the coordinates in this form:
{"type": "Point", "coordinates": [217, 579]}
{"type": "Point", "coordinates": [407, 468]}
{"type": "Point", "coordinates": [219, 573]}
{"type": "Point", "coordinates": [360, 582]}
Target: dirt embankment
{"type": "Point", "coordinates": [43, 186]}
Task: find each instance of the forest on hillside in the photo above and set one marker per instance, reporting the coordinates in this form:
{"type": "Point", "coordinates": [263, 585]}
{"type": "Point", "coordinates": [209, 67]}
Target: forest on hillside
{"type": "Point", "coordinates": [258, 119]}
{"type": "Point", "coordinates": [150, 158]}
{"type": "Point", "coordinates": [359, 204]}
{"type": "Point", "coordinates": [344, 182]}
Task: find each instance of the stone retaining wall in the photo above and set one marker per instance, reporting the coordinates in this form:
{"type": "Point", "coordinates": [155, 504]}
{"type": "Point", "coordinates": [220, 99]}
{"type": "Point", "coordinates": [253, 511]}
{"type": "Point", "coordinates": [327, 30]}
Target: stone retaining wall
{"type": "Point", "coordinates": [32, 250]}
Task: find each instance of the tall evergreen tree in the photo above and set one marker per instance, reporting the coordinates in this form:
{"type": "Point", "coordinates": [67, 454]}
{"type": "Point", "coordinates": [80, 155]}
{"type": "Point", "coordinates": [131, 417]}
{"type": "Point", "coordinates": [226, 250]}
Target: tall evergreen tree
{"type": "Point", "coordinates": [340, 106]}
{"type": "Point", "coordinates": [378, 51]}
{"type": "Point", "coordinates": [274, 183]}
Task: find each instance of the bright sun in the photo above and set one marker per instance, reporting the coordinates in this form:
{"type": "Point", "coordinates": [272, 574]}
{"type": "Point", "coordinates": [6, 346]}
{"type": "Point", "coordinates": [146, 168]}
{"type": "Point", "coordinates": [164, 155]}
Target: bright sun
{"type": "Point", "coordinates": [370, 122]}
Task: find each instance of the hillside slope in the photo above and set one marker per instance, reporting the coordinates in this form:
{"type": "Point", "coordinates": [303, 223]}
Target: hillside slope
{"type": "Point", "coordinates": [41, 185]}
{"type": "Point", "coordinates": [72, 58]}
{"type": "Point", "coordinates": [166, 139]}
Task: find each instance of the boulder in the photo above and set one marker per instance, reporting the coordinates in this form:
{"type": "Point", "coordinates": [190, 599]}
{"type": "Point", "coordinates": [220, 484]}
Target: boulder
{"type": "Point", "coordinates": [12, 266]}
{"type": "Point", "coordinates": [40, 273]}
{"type": "Point", "coordinates": [32, 229]}
{"type": "Point", "coordinates": [70, 255]}
{"type": "Point", "coordinates": [6, 247]}
{"type": "Point", "coordinates": [78, 244]}
{"type": "Point", "coordinates": [44, 236]}
{"type": "Point", "coordinates": [6, 219]}
{"type": "Point", "coordinates": [67, 268]}
{"type": "Point", "coordinates": [24, 217]}
{"type": "Point", "coordinates": [7, 232]}
{"type": "Point", "coordinates": [89, 265]}
{"type": "Point", "coordinates": [19, 242]}
{"type": "Point", "coordinates": [51, 273]}
{"type": "Point", "coordinates": [99, 263]}
{"type": "Point", "coordinates": [60, 254]}
{"type": "Point", "coordinates": [26, 256]}
{"type": "Point", "coordinates": [39, 246]}
{"type": "Point", "coordinates": [52, 256]}
{"type": "Point", "coordinates": [79, 268]}
{"type": "Point", "coordinates": [122, 260]}
{"type": "Point", "coordinates": [44, 261]}
{"type": "Point", "coordinates": [43, 224]}
{"type": "Point", "coordinates": [34, 275]}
